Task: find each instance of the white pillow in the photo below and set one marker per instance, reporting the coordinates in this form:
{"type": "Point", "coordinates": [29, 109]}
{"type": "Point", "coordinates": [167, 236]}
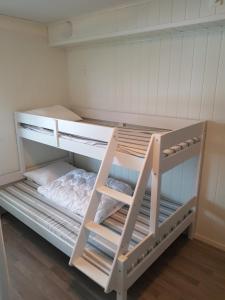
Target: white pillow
{"type": "Point", "coordinates": [56, 112]}
{"type": "Point", "coordinates": [47, 174]}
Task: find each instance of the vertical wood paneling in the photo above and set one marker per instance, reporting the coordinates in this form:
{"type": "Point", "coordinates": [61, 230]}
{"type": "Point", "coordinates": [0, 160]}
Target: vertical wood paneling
{"type": "Point", "coordinates": [199, 61]}
{"type": "Point", "coordinates": [210, 75]}
{"type": "Point", "coordinates": [124, 93]}
{"type": "Point", "coordinates": [127, 18]}
{"type": "Point", "coordinates": [144, 62]}
{"type": "Point", "coordinates": [178, 75]}
{"type": "Point", "coordinates": [219, 105]}
{"type": "Point", "coordinates": [153, 13]}
{"type": "Point", "coordinates": [193, 9]}
{"type": "Point", "coordinates": [154, 56]}
{"type": "Point", "coordinates": [207, 9]}
{"type": "Point", "coordinates": [174, 75]}
{"type": "Point", "coordinates": [178, 10]}
{"type": "Point", "coordinates": [164, 70]}
{"type": "Point", "coordinates": [185, 75]}
{"type": "Point", "coordinates": [165, 11]}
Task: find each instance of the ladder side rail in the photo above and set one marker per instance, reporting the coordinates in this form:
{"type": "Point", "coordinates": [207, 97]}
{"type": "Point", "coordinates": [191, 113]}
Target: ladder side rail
{"type": "Point", "coordinates": [138, 196]}
{"type": "Point", "coordinates": [95, 197]}
{"type": "Point", "coordinates": [133, 210]}
{"type": "Point", "coordinates": [155, 186]}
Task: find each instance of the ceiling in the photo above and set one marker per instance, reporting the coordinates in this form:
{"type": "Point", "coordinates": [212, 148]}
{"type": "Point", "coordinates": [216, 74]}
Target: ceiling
{"type": "Point", "coordinates": [47, 11]}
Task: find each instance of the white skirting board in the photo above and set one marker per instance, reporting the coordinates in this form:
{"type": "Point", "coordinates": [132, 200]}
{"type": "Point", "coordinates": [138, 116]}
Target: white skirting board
{"type": "Point", "coordinates": [208, 241]}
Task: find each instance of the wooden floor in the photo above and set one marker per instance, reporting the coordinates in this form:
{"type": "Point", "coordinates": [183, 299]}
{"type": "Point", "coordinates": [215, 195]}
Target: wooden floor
{"type": "Point", "coordinates": [187, 270]}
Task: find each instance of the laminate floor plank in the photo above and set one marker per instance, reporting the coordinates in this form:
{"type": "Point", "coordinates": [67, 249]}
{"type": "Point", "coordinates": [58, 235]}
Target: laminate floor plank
{"type": "Point", "coordinates": [38, 271]}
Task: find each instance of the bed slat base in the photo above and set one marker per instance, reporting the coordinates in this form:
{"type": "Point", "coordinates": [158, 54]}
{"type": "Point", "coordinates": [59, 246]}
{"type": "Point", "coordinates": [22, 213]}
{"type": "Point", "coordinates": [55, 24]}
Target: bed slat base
{"type": "Point", "coordinates": [21, 200]}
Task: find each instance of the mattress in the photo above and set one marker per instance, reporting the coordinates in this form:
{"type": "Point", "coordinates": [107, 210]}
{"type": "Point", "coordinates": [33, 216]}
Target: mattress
{"type": "Point", "coordinates": [23, 196]}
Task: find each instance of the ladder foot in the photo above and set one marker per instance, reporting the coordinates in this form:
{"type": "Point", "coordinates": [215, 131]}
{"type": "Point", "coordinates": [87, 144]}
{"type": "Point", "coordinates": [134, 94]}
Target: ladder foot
{"type": "Point", "coordinates": [121, 295]}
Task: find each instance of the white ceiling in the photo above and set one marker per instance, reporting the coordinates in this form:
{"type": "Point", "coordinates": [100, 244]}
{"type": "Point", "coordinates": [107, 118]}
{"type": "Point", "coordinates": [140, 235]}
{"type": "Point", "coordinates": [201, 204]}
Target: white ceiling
{"type": "Point", "coordinates": [47, 11]}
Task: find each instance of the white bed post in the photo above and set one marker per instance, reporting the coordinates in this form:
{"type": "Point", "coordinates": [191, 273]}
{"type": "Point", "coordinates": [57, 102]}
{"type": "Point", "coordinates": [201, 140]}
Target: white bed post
{"type": "Point", "coordinates": [192, 227]}
{"type": "Point", "coordinates": [121, 293]}
{"type": "Point", "coordinates": [156, 185]}
{"type": "Point", "coordinates": [20, 148]}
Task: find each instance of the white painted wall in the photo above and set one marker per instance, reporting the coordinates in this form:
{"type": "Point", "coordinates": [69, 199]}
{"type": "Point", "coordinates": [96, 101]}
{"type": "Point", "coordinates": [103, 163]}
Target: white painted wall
{"type": "Point", "coordinates": [179, 75]}
{"type": "Point", "coordinates": [31, 75]}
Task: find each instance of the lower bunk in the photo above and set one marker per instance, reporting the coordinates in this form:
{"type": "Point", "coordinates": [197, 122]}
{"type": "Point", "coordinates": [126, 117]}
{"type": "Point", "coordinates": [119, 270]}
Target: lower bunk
{"type": "Point", "coordinates": [61, 228]}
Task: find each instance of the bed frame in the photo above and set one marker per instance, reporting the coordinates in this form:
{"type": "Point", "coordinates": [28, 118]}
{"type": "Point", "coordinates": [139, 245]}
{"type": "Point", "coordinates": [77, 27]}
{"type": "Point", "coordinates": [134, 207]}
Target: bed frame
{"type": "Point", "coordinates": [158, 153]}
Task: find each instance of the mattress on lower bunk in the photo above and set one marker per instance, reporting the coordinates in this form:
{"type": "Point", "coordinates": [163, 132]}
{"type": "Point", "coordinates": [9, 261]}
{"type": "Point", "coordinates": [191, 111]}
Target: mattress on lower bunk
{"type": "Point", "coordinates": [23, 196]}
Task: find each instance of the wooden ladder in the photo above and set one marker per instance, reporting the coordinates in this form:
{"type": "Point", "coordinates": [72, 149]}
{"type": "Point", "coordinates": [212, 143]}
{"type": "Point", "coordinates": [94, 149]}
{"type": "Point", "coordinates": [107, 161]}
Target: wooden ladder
{"type": "Point", "coordinates": [119, 242]}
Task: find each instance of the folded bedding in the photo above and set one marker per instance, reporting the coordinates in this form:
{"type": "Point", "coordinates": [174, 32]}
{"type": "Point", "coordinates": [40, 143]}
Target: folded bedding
{"type": "Point", "coordinates": [73, 192]}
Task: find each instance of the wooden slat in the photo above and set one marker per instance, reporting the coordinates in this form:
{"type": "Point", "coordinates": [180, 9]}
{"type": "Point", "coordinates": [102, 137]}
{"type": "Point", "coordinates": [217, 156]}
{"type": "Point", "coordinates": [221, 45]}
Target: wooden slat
{"type": "Point", "coordinates": [132, 145]}
{"type": "Point", "coordinates": [39, 121]}
{"type": "Point", "coordinates": [101, 133]}
{"type": "Point", "coordinates": [104, 232]}
{"type": "Point", "coordinates": [131, 150]}
{"type": "Point", "coordinates": [37, 137]}
{"type": "Point", "coordinates": [91, 271]}
{"type": "Point", "coordinates": [97, 260]}
{"type": "Point", "coordinates": [115, 195]}
{"type": "Point", "coordinates": [179, 157]}
{"type": "Point", "coordinates": [124, 136]}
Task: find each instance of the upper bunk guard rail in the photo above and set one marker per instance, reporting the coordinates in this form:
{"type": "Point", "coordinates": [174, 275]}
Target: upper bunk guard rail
{"type": "Point", "coordinates": [90, 131]}
{"type": "Point", "coordinates": [56, 138]}
{"type": "Point", "coordinates": [183, 143]}
{"type": "Point", "coordinates": [175, 137]}
{"type": "Point", "coordinates": [119, 242]}
{"type": "Point", "coordinates": [39, 121]}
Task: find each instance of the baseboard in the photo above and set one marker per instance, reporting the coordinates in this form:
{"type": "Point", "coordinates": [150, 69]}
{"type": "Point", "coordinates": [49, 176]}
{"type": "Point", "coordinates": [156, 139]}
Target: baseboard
{"type": "Point", "coordinates": [208, 241]}
{"type": "Point", "coordinates": [11, 177]}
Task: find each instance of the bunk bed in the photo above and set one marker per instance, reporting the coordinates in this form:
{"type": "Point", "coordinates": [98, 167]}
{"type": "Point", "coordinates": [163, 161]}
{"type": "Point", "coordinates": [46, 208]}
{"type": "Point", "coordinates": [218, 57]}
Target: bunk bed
{"type": "Point", "coordinates": [116, 252]}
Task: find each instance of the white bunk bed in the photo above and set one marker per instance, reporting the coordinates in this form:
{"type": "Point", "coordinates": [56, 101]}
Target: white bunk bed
{"type": "Point", "coordinates": [116, 252]}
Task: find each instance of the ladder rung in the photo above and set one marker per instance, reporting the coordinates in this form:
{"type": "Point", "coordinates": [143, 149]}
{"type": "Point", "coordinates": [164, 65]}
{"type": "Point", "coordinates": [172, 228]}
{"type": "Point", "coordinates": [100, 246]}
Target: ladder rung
{"type": "Point", "coordinates": [104, 232]}
{"type": "Point", "coordinates": [126, 199]}
{"type": "Point", "coordinates": [91, 271]}
{"type": "Point", "coordinates": [98, 259]}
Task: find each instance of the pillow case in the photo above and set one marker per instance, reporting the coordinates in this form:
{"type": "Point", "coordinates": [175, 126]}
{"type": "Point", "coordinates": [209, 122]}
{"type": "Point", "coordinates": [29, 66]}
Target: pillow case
{"type": "Point", "coordinates": [56, 112]}
{"type": "Point", "coordinates": [73, 192]}
{"type": "Point", "coordinates": [47, 174]}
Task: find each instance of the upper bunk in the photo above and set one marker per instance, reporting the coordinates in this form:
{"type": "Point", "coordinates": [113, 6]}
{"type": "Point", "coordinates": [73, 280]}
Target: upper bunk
{"type": "Point", "coordinates": [89, 137]}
